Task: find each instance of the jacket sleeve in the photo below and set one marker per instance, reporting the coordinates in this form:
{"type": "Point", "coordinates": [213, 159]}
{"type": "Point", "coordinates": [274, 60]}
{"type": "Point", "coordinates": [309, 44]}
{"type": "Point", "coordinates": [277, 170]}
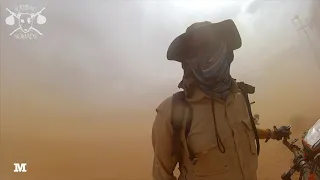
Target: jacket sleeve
{"type": "Point", "coordinates": [264, 133]}
{"type": "Point", "coordinates": [162, 138]}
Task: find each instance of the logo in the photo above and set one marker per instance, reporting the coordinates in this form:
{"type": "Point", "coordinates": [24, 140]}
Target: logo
{"type": "Point", "coordinates": [20, 167]}
{"type": "Point", "coordinates": [24, 19]}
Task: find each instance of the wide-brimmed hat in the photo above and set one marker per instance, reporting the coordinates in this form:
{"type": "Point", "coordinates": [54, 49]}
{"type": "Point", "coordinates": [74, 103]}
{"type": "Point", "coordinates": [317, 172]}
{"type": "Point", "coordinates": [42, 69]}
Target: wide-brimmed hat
{"type": "Point", "coordinates": [224, 31]}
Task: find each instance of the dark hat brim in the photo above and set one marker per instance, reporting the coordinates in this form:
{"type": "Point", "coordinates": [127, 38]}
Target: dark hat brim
{"type": "Point", "coordinates": [225, 31]}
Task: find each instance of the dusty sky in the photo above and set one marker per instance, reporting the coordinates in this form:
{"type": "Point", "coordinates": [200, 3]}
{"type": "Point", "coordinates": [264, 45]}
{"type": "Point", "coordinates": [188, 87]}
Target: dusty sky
{"type": "Point", "coordinates": [98, 72]}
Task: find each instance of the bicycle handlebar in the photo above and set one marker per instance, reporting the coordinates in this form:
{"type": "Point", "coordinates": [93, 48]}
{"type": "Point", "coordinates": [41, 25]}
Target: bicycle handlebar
{"type": "Point", "coordinates": [293, 148]}
{"type": "Point", "coordinates": [299, 162]}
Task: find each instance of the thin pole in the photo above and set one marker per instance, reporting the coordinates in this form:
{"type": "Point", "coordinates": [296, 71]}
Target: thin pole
{"type": "Point", "coordinates": [304, 29]}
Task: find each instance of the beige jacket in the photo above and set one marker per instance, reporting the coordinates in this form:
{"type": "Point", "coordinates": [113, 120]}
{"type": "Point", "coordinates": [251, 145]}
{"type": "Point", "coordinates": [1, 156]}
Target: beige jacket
{"type": "Point", "coordinates": [240, 160]}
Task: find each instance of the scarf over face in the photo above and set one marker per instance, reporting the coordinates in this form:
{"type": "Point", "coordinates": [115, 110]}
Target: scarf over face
{"type": "Point", "coordinates": [211, 71]}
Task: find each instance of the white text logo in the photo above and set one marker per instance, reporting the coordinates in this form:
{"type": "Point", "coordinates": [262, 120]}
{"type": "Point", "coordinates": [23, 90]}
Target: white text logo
{"type": "Point", "coordinates": [20, 167]}
{"type": "Point", "coordinates": [23, 18]}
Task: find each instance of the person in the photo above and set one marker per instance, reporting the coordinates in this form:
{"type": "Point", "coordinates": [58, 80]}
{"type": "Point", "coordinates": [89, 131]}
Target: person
{"type": "Point", "coordinates": [212, 135]}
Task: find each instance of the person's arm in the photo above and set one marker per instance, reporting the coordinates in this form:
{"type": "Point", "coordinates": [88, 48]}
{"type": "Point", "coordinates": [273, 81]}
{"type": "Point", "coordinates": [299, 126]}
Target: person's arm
{"type": "Point", "coordinates": [278, 134]}
{"type": "Point", "coordinates": [265, 133]}
{"type": "Point", "coordinates": [162, 141]}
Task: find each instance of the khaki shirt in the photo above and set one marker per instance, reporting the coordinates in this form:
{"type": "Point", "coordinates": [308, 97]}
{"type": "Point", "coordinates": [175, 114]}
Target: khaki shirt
{"type": "Point", "coordinates": [240, 160]}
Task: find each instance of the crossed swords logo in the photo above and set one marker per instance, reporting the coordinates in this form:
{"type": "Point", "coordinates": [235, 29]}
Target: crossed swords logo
{"type": "Point", "coordinates": [25, 20]}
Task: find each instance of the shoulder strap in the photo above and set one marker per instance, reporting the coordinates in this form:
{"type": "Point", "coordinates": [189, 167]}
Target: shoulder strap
{"type": "Point", "coordinates": [245, 90]}
{"type": "Point", "coordinates": [181, 114]}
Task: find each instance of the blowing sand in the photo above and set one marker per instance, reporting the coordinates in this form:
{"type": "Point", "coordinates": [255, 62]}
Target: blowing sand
{"type": "Point", "coordinates": [62, 139]}
{"type": "Point", "coordinates": [103, 152]}
{"type": "Point", "coordinates": [82, 136]}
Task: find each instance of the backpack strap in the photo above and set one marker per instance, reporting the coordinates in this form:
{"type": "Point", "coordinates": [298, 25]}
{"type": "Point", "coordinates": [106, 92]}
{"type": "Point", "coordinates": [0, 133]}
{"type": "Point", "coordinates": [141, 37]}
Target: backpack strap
{"type": "Point", "coordinates": [245, 90]}
{"type": "Point", "coordinates": [181, 114]}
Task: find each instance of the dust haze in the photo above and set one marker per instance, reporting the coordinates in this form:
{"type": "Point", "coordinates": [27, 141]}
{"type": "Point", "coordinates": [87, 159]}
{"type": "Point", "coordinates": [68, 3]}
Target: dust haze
{"type": "Point", "coordinates": [78, 103]}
